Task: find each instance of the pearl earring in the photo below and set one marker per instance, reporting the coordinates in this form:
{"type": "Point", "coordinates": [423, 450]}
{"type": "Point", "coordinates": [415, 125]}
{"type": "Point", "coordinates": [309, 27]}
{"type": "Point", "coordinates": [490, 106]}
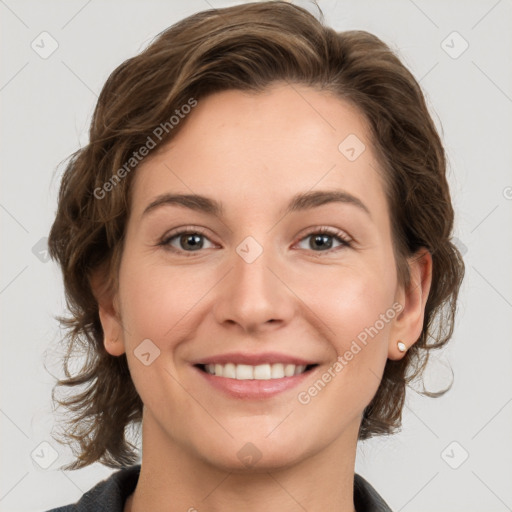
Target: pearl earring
{"type": "Point", "coordinates": [401, 346]}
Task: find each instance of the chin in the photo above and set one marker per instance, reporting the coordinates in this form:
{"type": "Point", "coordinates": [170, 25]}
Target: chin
{"type": "Point", "coordinates": [255, 454]}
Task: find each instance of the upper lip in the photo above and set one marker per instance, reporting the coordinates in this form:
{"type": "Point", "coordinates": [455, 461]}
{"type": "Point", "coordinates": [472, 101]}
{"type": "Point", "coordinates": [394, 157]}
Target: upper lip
{"type": "Point", "coordinates": [254, 359]}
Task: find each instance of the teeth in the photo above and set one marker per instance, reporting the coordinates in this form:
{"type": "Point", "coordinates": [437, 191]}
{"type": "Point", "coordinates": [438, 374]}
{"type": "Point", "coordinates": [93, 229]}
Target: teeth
{"type": "Point", "coordinates": [229, 370]}
{"type": "Point", "coordinates": [243, 371]}
{"type": "Point", "coordinates": [299, 369]}
{"type": "Point", "coordinates": [260, 372]}
{"type": "Point", "coordinates": [277, 370]}
{"type": "Point", "coordinates": [289, 370]}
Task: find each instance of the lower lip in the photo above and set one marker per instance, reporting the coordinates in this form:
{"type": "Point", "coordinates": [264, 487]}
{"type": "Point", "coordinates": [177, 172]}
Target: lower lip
{"type": "Point", "coordinates": [254, 389]}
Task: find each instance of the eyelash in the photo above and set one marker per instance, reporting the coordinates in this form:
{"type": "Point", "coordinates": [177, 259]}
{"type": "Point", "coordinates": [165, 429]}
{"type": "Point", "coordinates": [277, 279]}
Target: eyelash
{"type": "Point", "coordinates": [191, 230]}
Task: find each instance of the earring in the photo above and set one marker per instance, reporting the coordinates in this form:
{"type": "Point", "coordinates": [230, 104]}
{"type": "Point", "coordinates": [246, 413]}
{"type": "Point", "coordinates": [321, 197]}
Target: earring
{"type": "Point", "coordinates": [401, 346]}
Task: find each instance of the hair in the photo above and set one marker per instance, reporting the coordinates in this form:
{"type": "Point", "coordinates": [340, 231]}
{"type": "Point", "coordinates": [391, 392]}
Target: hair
{"type": "Point", "coordinates": [245, 47]}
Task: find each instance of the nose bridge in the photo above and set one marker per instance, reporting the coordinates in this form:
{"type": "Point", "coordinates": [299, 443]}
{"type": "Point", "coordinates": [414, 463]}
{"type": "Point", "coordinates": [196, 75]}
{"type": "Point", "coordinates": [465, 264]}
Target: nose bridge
{"type": "Point", "coordinates": [252, 276]}
{"type": "Point", "coordinates": [253, 293]}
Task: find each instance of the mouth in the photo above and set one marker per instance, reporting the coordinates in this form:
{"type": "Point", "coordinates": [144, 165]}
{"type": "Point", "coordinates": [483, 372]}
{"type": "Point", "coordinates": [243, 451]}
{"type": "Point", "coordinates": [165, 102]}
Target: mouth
{"type": "Point", "coordinates": [263, 372]}
{"type": "Point", "coordinates": [234, 378]}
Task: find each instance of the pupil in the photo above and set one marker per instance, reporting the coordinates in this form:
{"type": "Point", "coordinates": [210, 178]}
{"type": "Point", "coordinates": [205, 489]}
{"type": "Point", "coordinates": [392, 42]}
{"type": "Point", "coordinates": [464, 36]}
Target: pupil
{"type": "Point", "coordinates": [320, 240]}
{"type": "Point", "coordinates": [195, 244]}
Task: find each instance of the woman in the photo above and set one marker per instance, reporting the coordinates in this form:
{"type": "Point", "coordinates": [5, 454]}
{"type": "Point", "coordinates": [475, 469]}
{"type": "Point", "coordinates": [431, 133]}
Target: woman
{"type": "Point", "coordinates": [256, 252]}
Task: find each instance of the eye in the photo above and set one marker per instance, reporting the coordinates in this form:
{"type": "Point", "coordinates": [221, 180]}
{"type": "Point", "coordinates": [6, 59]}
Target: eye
{"type": "Point", "coordinates": [321, 239]}
{"type": "Point", "coordinates": [186, 241]}
{"type": "Point", "coordinates": [191, 239]}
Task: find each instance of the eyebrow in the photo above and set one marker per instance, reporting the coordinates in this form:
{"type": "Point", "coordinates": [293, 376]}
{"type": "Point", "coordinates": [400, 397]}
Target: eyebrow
{"type": "Point", "coordinates": [299, 202]}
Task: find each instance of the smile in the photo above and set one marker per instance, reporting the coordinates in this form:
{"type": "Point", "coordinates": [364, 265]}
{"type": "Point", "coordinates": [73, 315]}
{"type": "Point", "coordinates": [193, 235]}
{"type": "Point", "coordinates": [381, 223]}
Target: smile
{"type": "Point", "coordinates": [259, 372]}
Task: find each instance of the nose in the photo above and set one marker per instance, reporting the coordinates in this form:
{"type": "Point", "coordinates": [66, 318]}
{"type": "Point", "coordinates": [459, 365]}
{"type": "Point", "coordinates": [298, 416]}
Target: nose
{"type": "Point", "coordinates": [254, 294]}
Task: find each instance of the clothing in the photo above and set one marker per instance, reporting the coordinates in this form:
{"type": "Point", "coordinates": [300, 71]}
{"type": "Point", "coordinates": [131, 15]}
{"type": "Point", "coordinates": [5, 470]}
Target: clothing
{"type": "Point", "coordinates": [110, 494]}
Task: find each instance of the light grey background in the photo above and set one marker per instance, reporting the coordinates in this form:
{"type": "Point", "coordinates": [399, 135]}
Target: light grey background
{"type": "Point", "coordinates": [46, 108]}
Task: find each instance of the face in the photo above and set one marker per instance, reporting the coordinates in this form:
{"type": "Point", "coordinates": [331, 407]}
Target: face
{"type": "Point", "coordinates": [288, 292]}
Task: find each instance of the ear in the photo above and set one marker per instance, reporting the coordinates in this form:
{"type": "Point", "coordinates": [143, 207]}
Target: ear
{"type": "Point", "coordinates": [408, 324]}
{"type": "Point", "coordinates": [108, 309]}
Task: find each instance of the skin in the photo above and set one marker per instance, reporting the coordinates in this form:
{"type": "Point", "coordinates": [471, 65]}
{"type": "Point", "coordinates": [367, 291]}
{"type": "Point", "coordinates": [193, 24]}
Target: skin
{"type": "Point", "coordinates": [253, 152]}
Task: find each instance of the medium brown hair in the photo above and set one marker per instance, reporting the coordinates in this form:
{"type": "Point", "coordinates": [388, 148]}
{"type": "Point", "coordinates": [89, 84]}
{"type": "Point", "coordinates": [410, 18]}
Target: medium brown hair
{"type": "Point", "coordinates": [246, 47]}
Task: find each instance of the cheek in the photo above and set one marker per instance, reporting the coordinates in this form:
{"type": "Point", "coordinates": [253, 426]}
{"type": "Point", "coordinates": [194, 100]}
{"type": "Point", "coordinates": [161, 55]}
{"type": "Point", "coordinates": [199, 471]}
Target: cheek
{"type": "Point", "coordinates": [157, 298]}
{"type": "Point", "coordinates": [358, 313]}
{"type": "Point", "coordinates": [348, 300]}
{"type": "Point", "coordinates": [355, 307]}
{"type": "Point", "coordinates": [157, 304]}
{"type": "Point", "coordinates": [355, 312]}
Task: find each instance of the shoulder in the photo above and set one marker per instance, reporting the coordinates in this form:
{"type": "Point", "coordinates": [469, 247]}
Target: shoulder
{"type": "Point", "coordinates": [366, 498]}
{"type": "Point", "coordinates": [109, 495]}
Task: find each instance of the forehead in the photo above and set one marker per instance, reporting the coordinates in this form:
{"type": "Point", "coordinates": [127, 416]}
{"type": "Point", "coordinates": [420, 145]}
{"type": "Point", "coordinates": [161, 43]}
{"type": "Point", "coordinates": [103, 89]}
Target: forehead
{"type": "Point", "coordinates": [249, 147]}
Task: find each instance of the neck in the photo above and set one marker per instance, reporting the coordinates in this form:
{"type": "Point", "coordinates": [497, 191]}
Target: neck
{"type": "Point", "coordinates": [174, 478]}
